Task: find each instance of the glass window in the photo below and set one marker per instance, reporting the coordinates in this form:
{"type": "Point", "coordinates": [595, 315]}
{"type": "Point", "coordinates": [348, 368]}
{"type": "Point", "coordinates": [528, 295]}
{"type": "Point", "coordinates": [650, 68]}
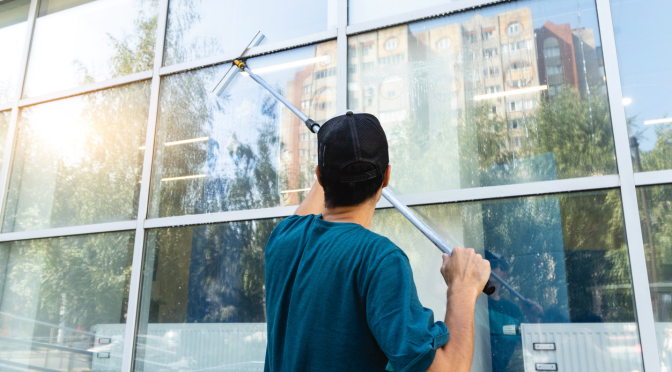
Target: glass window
{"type": "Point", "coordinates": [202, 304]}
{"type": "Point", "coordinates": [204, 28]}
{"type": "Point", "coordinates": [655, 210]}
{"type": "Point", "coordinates": [4, 128]}
{"type": "Point", "coordinates": [440, 105]}
{"type": "Point", "coordinates": [78, 42]}
{"type": "Point", "coordinates": [241, 150]}
{"type": "Point", "coordinates": [368, 10]}
{"type": "Point", "coordinates": [565, 255]}
{"type": "Point", "coordinates": [13, 16]}
{"type": "Point", "coordinates": [640, 28]}
{"type": "Point", "coordinates": [79, 160]}
{"type": "Point", "coordinates": [63, 302]}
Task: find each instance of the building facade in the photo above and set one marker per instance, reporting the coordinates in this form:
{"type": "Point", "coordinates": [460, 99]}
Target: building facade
{"type": "Point", "coordinates": [137, 203]}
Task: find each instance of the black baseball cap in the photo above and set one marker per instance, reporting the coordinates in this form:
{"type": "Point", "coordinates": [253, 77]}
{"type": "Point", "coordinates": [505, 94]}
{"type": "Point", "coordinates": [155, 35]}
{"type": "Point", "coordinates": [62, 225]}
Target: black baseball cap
{"type": "Point", "coordinates": [348, 138]}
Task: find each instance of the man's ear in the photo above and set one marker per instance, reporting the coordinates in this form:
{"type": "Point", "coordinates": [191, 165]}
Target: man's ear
{"type": "Point", "coordinates": [317, 173]}
{"type": "Point", "coordinates": [386, 177]}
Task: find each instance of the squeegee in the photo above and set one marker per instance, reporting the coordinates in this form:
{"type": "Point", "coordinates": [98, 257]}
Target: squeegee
{"type": "Point", "coordinates": [315, 127]}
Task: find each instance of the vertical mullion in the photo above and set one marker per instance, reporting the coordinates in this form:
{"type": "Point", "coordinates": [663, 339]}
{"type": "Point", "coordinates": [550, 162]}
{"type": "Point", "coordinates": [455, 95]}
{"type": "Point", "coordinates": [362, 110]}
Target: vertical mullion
{"type": "Point", "coordinates": [138, 249]}
{"type": "Point", "coordinates": [640, 280]}
{"type": "Point", "coordinates": [10, 142]}
{"type": "Point", "coordinates": [342, 56]}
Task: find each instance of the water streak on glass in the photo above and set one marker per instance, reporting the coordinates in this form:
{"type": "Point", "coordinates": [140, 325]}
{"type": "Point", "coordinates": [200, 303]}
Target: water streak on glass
{"type": "Point", "coordinates": [507, 94]}
{"type": "Point", "coordinates": [82, 42]}
{"type": "Point", "coordinates": [13, 16]}
{"type": "Point", "coordinates": [641, 30]}
{"type": "Point", "coordinates": [655, 211]}
{"type": "Point", "coordinates": [566, 254]}
{"type": "Point", "coordinates": [63, 302]}
{"type": "Point", "coordinates": [203, 298]}
{"type": "Point", "coordinates": [204, 28]}
{"type": "Point", "coordinates": [243, 149]}
{"type": "Point", "coordinates": [79, 160]}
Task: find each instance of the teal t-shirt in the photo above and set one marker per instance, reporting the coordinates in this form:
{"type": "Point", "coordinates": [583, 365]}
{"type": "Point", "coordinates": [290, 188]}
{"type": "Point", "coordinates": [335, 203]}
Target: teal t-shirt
{"type": "Point", "coordinates": [342, 298]}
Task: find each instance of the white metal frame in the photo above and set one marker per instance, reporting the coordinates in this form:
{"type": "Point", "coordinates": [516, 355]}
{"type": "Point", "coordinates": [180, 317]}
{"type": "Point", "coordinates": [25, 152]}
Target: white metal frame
{"type": "Point", "coordinates": [626, 180]}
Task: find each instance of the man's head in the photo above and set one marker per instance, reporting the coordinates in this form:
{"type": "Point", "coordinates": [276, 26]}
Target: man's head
{"type": "Point", "coordinates": [498, 265]}
{"type": "Point", "coordinates": [353, 160]}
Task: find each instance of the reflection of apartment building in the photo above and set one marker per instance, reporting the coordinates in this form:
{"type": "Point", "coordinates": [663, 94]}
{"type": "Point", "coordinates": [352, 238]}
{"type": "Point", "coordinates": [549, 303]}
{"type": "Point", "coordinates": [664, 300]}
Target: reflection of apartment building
{"type": "Point", "coordinates": [569, 57]}
{"type": "Point", "coordinates": [313, 90]}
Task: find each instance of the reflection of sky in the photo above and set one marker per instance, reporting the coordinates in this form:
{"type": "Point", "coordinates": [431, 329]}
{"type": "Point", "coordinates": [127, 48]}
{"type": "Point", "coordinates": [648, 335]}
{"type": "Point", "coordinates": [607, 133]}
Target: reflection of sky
{"type": "Point", "coordinates": [558, 12]}
{"type": "Point", "coordinates": [80, 34]}
{"type": "Point", "coordinates": [642, 41]}
{"type": "Point", "coordinates": [233, 24]}
{"type": "Point", "coordinates": [11, 47]}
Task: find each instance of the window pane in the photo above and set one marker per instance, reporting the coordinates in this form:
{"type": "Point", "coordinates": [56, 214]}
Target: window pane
{"type": "Point", "coordinates": [79, 160]}
{"type": "Point", "coordinates": [655, 210]}
{"type": "Point", "coordinates": [368, 10]}
{"type": "Point", "coordinates": [467, 100]}
{"type": "Point", "coordinates": [566, 253]}
{"type": "Point", "coordinates": [81, 42]}
{"type": "Point", "coordinates": [13, 16]}
{"type": "Point", "coordinates": [204, 28]}
{"type": "Point", "coordinates": [63, 302]}
{"type": "Point", "coordinates": [202, 305]}
{"type": "Point", "coordinates": [4, 128]}
{"type": "Point", "coordinates": [646, 75]}
{"type": "Point", "coordinates": [242, 150]}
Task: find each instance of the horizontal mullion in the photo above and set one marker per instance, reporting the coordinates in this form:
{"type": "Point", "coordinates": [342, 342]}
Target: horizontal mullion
{"type": "Point", "coordinates": [508, 191]}
{"type": "Point", "coordinates": [69, 231]}
{"type": "Point", "coordinates": [431, 12]}
{"type": "Point", "coordinates": [123, 80]}
{"type": "Point", "coordinates": [451, 196]}
{"type": "Point", "coordinates": [653, 178]}
{"type": "Point", "coordinates": [4, 106]}
{"type": "Point", "coordinates": [200, 219]}
{"type": "Point", "coordinates": [252, 52]}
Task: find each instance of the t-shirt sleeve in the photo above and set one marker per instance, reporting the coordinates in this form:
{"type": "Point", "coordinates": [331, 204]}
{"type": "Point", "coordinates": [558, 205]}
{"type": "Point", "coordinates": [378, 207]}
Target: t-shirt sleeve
{"type": "Point", "coordinates": [403, 328]}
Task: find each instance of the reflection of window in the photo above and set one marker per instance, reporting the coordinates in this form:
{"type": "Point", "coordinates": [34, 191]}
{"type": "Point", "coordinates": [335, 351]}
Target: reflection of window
{"type": "Point", "coordinates": [368, 101]}
{"type": "Point", "coordinates": [305, 104]}
{"type": "Point", "coordinates": [304, 152]}
{"type": "Point", "coordinates": [443, 43]}
{"type": "Point", "coordinates": [322, 105]}
{"type": "Point", "coordinates": [324, 73]}
{"type": "Point", "coordinates": [391, 87]}
{"type": "Point", "coordinates": [304, 137]}
{"type": "Point", "coordinates": [366, 49]}
{"type": "Point", "coordinates": [322, 91]}
{"type": "Point", "coordinates": [490, 71]}
{"type": "Point", "coordinates": [306, 89]}
{"type": "Point", "coordinates": [489, 53]}
{"type": "Point", "coordinates": [552, 52]}
{"type": "Point", "coordinates": [493, 109]}
{"type": "Point", "coordinates": [353, 102]}
{"type": "Point", "coordinates": [492, 89]}
{"type": "Point", "coordinates": [514, 123]}
{"type": "Point", "coordinates": [367, 66]}
{"type": "Point", "coordinates": [352, 69]}
{"type": "Point", "coordinates": [516, 142]}
{"type": "Point", "coordinates": [486, 35]}
{"type": "Point", "coordinates": [391, 44]}
{"type": "Point", "coordinates": [391, 60]}
{"type": "Point", "coordinates": [519, 74]}
{"type": "Point", "coordinates": [352, 52]}
{"type": "Point", "coordinates": [553, 70]}
{"type": "Point", "coordinates": [473, 38]}
{"type": "Point", "coordinates": [517, 45]}
{"type": "Point", "coordinates": [514, 28]}
{"type": "Point", "coordinates": [555, 89]}
{"type": "Point", "coordinates": [328, 58]}
{"type": "Point", "coordinates": [518, 105]}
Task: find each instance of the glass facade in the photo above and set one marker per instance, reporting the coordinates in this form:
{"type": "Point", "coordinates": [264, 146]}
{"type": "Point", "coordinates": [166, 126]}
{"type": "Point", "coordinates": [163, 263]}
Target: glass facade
{"type": "Point", "coordinates": [506, 135]}
{"type": "Point", "coordinates": [645, 77]}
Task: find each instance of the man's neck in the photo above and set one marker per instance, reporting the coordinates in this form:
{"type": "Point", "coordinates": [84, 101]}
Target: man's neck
{"type": "Point", "coordinates": [361, 214]}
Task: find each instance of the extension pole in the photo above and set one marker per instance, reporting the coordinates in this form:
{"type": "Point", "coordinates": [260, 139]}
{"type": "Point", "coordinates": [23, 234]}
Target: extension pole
{"type": "Point", "coordinates": [401, 207]}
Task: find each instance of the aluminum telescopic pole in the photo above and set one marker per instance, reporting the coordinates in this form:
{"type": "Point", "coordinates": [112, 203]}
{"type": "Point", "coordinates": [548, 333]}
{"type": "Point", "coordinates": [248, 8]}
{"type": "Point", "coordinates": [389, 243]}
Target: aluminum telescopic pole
{"type": "Point", "coordinates": [401, 207]}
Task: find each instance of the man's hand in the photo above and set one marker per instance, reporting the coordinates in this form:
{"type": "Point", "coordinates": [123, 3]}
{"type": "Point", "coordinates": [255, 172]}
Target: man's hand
{"type": "Point", "coordinates": [465, 272]}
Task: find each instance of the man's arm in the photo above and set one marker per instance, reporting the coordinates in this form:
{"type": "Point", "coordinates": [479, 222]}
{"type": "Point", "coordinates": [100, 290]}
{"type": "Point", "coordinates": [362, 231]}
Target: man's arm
{"type": "Point", "coordinates": [313, 203]}
{"type": "Point", "coordinates": [466, 273]}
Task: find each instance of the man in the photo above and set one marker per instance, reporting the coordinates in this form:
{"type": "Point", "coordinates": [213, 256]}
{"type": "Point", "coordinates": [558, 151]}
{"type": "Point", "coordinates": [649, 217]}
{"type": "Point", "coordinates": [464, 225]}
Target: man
{"type": "Point", "coordinates": [340, 297]}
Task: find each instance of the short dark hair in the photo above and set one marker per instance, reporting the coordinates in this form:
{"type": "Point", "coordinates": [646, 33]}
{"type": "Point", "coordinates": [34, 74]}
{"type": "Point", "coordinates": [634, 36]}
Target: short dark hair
{"type": "Point", "coordinates": [345, 194]}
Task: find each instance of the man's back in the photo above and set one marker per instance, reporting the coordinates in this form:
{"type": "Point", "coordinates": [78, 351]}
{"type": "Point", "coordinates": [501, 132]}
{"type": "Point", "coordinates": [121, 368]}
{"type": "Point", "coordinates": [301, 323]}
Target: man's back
{"type": "Point", "coordinates": [340, 297]}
